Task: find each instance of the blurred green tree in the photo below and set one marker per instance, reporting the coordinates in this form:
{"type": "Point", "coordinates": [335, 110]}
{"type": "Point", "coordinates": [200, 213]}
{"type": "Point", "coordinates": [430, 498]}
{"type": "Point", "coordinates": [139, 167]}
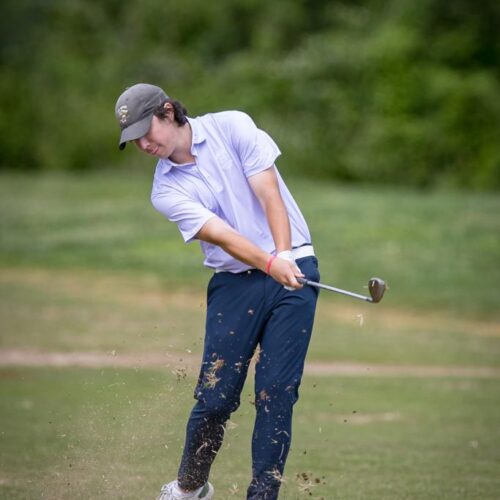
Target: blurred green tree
{"type": "Point", "coordinates": [364, 91]}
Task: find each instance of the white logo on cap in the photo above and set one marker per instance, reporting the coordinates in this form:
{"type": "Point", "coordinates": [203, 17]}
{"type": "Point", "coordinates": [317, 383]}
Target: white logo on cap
{"type": "Point", "coordinates": [123, 112]}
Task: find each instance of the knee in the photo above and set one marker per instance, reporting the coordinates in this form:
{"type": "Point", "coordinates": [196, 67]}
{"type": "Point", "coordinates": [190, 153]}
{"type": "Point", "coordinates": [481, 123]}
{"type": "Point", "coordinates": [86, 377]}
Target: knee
{"type": "Point", "coordinates": [218, 408]}
{"type": "Point", "coordinates": [276, 395]}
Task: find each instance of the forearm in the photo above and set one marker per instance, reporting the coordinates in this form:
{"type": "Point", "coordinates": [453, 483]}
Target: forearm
{"type": "Point", "coordinates": [279, 224]}
{"type": "Point", "coordinates": [217, 232]}
{"type": "Point", "coordinates": [266, 188]}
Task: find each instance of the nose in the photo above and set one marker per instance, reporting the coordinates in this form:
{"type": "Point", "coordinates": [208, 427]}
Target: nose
{"type": "Point", "coordinates": [143, 143]}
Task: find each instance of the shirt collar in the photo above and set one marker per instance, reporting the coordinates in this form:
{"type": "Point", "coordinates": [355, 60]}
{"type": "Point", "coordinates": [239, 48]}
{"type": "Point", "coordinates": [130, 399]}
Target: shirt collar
{"type": "Point", "coordinates": [197, 130]}
{"type": "Point", "coordinates": [198, 136]}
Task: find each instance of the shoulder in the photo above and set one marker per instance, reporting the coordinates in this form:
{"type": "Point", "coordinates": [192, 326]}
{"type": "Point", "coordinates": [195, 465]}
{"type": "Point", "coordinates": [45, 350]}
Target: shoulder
{"type": "Point", "coordinates": [229, 121]}
{"type": "Point", "coordinates": [235, 118]}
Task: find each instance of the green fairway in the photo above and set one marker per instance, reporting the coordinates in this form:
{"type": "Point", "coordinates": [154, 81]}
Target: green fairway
{"type": "Point", "coordinates": [79, 434]}
{"type": "Point", "coordinates": [64, 310]}
{"type": "Point", "coordinates": [436, 250]}
{"type": "Point", "coordinates": [92, 276]}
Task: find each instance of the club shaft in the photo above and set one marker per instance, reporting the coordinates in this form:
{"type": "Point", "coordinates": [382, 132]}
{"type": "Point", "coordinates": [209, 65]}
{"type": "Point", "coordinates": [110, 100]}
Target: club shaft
{"type": "Point", "coordinates": [334, 289]}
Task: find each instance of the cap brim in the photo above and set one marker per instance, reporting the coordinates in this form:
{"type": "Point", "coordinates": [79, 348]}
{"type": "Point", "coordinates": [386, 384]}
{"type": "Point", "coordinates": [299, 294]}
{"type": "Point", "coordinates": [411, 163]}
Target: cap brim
{"type": "Point", "coordinates": [135, 131]}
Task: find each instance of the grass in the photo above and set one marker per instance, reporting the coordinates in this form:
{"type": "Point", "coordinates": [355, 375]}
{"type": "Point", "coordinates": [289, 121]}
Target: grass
{"type": "Point", "coordinates": [436, 250]}
{"type": "Point", "coordinates": [61, 310]}
{"type": "Point", "coordinates": [86, 265]}
{"type": "Point", "coordinates": [106, 434]}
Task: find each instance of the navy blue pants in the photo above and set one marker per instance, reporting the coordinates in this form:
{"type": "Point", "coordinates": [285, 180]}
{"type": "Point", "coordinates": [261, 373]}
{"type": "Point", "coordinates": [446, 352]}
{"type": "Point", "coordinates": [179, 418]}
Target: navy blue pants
{"type": "Point", "coordinates": [244, 311]}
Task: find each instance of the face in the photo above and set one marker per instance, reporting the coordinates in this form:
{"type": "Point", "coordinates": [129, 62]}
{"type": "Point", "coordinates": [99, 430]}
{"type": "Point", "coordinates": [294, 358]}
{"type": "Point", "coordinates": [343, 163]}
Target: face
{"type": "Point", "coordinates": [160, 141]}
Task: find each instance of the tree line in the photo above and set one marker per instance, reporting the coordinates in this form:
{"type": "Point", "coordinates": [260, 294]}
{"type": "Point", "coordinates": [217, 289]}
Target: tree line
{"type": "Point", "coordinates": [396, 91]}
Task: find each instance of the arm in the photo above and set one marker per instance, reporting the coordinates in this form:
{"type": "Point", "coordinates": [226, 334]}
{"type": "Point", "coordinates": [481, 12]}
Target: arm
{"type": "Point", "coordinates": [266, 188]}
{"type": "Point", "coordinates": [219, 233]}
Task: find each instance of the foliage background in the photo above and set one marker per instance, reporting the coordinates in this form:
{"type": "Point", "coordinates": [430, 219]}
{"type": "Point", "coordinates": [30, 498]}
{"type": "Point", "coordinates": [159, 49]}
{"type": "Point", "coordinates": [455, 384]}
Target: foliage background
{"type": "Point", "coordinates": [397, 92]}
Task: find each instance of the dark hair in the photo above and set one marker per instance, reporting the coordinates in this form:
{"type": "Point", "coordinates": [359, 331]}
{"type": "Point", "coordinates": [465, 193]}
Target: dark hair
{"type": "Point", "coordinates": [180, 111]}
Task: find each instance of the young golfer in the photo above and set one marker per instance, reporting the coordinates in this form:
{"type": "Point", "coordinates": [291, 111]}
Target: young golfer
{"type": "Point", "coordinates": [216, 179]}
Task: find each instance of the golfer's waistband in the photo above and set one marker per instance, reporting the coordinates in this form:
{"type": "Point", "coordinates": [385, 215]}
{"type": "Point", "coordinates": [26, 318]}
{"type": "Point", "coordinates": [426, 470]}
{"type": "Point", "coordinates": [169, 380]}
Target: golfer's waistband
{"type": "Point", "coordinates": [297, 253]}
{"type": "Point", "coordinates": [303, 251]}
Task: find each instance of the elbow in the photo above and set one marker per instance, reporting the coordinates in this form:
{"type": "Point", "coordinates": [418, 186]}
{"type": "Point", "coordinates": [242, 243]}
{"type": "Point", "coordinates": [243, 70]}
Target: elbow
{"type": "Point", "coordinates": [216, 232]}
{"type": "Point", "coordinates": [155, 201]}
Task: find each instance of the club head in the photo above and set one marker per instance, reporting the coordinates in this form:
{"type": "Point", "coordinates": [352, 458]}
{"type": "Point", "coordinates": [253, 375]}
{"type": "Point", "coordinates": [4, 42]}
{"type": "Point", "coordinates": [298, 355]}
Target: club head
{"type": "Point", "coordinates": [376, 286]}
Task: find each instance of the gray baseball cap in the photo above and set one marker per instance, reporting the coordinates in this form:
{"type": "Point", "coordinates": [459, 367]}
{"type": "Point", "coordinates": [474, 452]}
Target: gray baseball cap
{"type": "Point", "coordinates": [134, 110]}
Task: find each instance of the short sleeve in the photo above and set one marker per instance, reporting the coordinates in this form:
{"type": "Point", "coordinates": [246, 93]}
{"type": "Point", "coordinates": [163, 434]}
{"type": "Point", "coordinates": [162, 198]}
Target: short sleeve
{"type": "Point", "coordinates": [255, 148]}
{"type": "Point", "coordinates": [189, 215]}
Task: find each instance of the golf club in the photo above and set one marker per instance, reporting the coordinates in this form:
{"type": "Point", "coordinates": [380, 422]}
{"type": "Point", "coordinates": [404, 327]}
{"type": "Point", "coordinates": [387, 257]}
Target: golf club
{"type": "Point", "coordinates": [376, 286]}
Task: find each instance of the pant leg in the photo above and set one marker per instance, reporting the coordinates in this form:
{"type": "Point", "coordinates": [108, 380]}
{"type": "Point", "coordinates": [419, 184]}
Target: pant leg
{"type": "Point", "coordinates": [284, 345]}
{"type": "Point", "coordinates": [235, 316]}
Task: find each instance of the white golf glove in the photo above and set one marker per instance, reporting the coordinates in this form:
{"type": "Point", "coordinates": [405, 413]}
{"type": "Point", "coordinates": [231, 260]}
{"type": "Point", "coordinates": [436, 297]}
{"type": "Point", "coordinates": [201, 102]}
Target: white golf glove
{"type": "Point", "coordinates": [287, 255]}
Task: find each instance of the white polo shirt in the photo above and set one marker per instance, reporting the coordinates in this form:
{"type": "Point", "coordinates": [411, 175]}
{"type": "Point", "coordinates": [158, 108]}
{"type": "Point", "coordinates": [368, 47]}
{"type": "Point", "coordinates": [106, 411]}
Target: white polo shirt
{"type": "Point", "coordinates": [228, 149]}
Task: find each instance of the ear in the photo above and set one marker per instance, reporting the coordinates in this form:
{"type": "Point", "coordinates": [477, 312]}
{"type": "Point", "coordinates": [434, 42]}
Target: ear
{"type": "Point", "coordinates": [169, 109]}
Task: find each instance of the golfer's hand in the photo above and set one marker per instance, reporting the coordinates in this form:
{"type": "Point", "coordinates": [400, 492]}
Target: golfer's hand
{"type": "Point", "coordinates": [285, 271]}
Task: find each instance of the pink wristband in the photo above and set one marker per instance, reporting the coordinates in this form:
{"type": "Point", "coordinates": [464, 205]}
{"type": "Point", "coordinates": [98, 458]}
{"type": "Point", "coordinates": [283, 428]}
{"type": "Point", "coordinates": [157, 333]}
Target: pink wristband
{"type": "Point", "coordinates": [269, 262]}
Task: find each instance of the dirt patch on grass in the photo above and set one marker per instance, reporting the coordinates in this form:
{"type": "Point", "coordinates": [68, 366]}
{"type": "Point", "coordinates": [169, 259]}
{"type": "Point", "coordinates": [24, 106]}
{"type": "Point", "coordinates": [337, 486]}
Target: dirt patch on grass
{"type": "Point", "coordinates": [16, 357]}
{"type": "Point", "coordinates": [190, 363]}
{"type": "Point", "coordinates": [368, 418]}
{"type": "Point", "coordinates": [361, 369]}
